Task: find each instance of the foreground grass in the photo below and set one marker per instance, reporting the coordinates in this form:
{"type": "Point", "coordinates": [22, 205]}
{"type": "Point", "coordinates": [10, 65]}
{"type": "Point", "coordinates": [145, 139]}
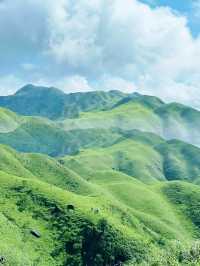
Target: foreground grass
{"type": "Point", "coordinates": [133, 220]}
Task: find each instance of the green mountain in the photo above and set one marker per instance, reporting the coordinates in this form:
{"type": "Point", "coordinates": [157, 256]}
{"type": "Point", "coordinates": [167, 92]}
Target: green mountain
{"type": "Point", "coordinates": [55, 104]}
{"type": "Point", "coordinates": [97, 128]}
{"type": "Point", "coordinates": [106, 185]}
{"type": "Point", "coordinates": [107, 110]}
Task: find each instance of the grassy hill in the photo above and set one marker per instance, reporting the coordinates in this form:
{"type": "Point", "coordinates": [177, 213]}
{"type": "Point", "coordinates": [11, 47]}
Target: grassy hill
{"type": "Point", "coordinates": [145, 156]}
{"type": "Point", "coordinates": [35, 134]}
{"type": "Point", "coordinates": [29, 206]}
{"type": "Point", "coordinates": [130, 219]}
{"type": "Point", "coordinates": [146, 113]}
{"type": "Point", "coordinates": [108, 185]}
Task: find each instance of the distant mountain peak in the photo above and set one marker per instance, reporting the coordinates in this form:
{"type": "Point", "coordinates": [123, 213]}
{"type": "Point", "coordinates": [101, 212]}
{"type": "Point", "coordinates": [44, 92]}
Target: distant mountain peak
{"type": "Point", "coordinates": [25, 88]}
{"type": "Point", "coordinates": [31, 89]}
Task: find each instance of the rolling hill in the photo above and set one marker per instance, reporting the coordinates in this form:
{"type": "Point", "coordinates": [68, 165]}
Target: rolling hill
{"type": "Point", "coordinates": [105, 110]}
{"type": "Point", "coordinates": [69, 211]}
{"type": "Point", "coordinates": [144, 156]}
{"type": "Point", "coordinates": [98, 179]}
{"type": "Point", "coordinates": [97, 123]}
{"type": "Point", "coordinates": [35, 134]}
{"type": "Point", "coordinates": [145, 113]}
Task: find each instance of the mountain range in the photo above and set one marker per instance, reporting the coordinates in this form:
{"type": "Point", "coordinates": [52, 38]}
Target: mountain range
{"type": "Point", "coordinates": [98, 179]}
{"type": "Point", "coordinates": [55, 104]}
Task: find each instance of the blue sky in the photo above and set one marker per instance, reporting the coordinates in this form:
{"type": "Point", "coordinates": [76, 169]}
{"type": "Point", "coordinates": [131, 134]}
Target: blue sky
{"type": "Point", "coordinates": [189, 8]}
{"type": "Point", "coordinates": [180, 5]}
{"type": "Point", "coordinates": [151, 47]}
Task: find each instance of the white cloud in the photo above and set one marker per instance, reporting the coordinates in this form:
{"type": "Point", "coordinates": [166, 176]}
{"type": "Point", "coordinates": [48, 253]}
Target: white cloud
{"type": "Point", "coordinates": [130, 41]}
{"type": "Point", "coordinates": [73, 84]}
{"type": "Point", "coordinates": [105, 44]}
{"type": "Point", "coordinates": [9, 84]}
{"type": "Point", "coordinates": [115, 83]}
{"type": "Point", "coordinates": [68, 84]}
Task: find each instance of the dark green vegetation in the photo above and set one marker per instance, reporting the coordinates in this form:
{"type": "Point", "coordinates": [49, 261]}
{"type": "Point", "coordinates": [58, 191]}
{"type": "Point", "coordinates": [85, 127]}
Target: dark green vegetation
{"type": "Point", "coordinates": [100, 183]}
{"type": "Point", "coordinates": [54, 104]}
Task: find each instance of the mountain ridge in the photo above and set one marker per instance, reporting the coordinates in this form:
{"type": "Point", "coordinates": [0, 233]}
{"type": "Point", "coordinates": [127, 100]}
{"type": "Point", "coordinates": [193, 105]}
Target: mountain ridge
{"type": "Point", "coordinates": [55, 104]}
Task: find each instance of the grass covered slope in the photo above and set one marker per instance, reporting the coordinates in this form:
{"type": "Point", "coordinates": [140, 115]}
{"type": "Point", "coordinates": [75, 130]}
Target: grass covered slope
{"type": "Point", "coordinates": [180, 161]}
{"type": "Point", "coordinates": [97, 128]}
{"type": "Point", "coordinates": [35, 134]}
{"type": "Point", "coordinates": [145, 156]}
{"type": "Point", "coordinates": [124, 220]}
{"type": "Point", "coordinates": [187, 198]}
{"type": "Point", "coordinates": [127, 116]}
{"type": "Point", "coordinates": [113, 217]}
{"type": "Point", "coordinates": [44, 168]}
{"type": "Point", "coordinates": [96, 189]}
{"type": "Point", "coordinates": [9, 121]}
{"type": "Point", "coordinates": [146, 113]}
{"type": "Point", "coordinates": [66, 237]}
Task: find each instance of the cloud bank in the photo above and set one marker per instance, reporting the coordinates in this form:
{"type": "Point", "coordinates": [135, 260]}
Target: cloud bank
{"type": "Point", "coordinates": [99, 44]}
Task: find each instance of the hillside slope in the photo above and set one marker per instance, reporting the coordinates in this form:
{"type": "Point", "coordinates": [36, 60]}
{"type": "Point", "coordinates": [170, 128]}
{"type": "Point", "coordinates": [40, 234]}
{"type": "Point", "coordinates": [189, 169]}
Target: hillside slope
{"type": "Point", "coordinates": [35, 134]}
{"type": "Point", "coordinates": [142, 155]}
{"type": "Point", "coordinates": [131, 220]}
{"type": "Point", "coordinates": [38, 227]}
{"type": "Point", "coordinates": [9, 121]}
{"type": "Point", "coordinates": [110, 186]}
{"type": "Point", "coordinates": [145, 113]}
{"type": "Point", "coordinates": [136, 153]}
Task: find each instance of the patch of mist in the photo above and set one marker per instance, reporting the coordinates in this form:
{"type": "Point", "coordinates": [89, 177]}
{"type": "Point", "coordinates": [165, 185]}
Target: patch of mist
{"type": "Point", "coordinates": [172, 128]}
{"type": "Point", "coordinates": [121, 122]}
{"type": "Point", "coordinates": [175, 129]}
